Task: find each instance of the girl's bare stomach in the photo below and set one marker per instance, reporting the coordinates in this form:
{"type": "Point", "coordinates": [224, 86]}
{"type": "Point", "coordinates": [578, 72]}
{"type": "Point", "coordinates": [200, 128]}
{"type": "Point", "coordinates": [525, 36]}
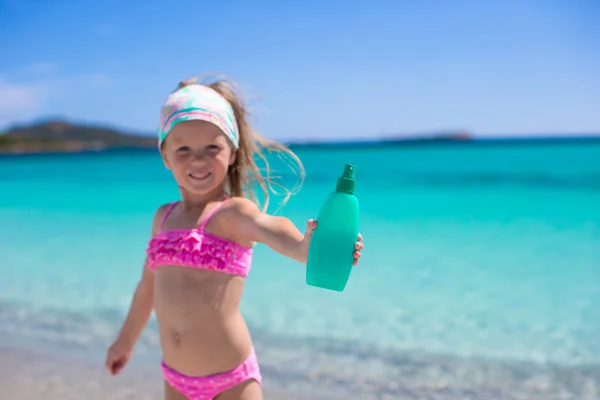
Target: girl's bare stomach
{"type": "Point", "coordinates": [201, 329]}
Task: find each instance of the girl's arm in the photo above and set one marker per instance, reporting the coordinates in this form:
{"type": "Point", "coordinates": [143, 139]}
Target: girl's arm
{"type": "Point", "coordinates": [140, 310]}
{"type": "Point", "coordinates": [141, 306]}
{"type": "Point", "coordinates": [279, 233]}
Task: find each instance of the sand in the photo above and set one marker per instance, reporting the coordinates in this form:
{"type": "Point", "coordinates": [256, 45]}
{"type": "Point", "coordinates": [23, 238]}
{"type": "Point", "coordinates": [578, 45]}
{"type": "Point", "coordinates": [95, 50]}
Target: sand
{"type": "Point", "coordinates": [26, 374]}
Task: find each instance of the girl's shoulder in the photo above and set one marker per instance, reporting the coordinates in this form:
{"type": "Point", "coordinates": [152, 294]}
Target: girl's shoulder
{"type": "Point", "coordinates": [159, 216]}
{"type": "Point", "coordinates": [237, 207]}
{"type": "Point", "coordinates": [234, 217]}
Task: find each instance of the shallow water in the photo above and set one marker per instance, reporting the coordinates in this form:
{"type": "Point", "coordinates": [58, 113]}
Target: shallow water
{"type": "Point", "coordinates": [481, 266]}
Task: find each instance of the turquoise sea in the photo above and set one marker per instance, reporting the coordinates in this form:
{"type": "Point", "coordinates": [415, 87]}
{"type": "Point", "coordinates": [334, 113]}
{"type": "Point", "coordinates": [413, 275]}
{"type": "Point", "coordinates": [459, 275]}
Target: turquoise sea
{"type": "Point", "coordinates": [478, 258]}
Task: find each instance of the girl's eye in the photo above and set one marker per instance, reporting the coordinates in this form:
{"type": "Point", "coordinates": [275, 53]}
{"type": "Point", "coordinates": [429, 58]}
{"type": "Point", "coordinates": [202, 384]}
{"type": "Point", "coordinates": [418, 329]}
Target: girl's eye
{"type": "Point", "coordinates": [213, 147]}
{"type": "Point", "coordinates": [183, 148]}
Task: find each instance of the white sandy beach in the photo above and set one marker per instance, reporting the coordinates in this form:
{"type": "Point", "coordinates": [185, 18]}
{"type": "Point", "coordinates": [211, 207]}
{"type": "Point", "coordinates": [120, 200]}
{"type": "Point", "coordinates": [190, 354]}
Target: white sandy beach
{"type": "Point", "coordinates": [28, 375]}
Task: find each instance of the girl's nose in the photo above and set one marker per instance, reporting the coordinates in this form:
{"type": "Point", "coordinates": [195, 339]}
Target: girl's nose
{"type": "Point", "coordinates": [199, 156]}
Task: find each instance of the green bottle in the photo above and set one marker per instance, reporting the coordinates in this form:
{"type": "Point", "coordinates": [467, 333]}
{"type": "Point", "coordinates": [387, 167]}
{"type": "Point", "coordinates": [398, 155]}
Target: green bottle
{"type": "Point", "coordinates": [331, 251]}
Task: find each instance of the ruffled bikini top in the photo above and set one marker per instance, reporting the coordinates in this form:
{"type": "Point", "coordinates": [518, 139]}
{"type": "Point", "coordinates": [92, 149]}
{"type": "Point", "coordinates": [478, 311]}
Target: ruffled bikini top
{"type": "Point", "coordinates": [195, 248]}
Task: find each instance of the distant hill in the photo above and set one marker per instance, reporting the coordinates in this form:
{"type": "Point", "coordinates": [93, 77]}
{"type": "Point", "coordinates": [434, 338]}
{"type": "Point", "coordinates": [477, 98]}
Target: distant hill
{"type": "Point", "coordinates": [64, 137]}
{"type": "Point", "coordinates": [433, 138]}
{"type": "Point", "coordinates": [61, 136]}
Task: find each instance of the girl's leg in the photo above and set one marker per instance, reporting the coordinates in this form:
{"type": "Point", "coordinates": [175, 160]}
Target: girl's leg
{"type": "Point", "coordinates": [172, 394]}
{"type": "Point", "coordinates": [247, 390]}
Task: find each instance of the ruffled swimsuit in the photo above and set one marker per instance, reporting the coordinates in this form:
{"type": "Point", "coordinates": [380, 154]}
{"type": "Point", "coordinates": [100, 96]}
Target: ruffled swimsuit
{"type": "Point", "coordinates": [195, 248]}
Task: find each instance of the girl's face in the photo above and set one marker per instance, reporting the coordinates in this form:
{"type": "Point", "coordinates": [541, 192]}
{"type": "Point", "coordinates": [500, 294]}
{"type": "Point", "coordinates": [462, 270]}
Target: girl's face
{"type": "Point", "coordinates": [199, 155]}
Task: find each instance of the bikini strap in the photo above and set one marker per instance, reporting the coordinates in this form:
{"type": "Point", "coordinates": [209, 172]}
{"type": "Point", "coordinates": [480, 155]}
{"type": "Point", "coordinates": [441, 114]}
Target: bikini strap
{"type": "Point", "coordinates": [166, 214]}
{"type": "Point", "coordinates": [210, 214]}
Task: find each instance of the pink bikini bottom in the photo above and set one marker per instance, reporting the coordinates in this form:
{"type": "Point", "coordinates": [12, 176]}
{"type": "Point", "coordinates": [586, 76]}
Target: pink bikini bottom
{"type": "Point", "coordinates": [208, 387]}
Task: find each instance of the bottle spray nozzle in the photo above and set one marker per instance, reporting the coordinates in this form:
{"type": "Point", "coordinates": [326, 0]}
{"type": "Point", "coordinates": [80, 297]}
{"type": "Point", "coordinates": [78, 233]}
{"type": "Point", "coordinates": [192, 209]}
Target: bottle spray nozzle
{"type": "Point", "coordinates": [348, 171]}
{"type": "Point", "coordinates": [346, 182]}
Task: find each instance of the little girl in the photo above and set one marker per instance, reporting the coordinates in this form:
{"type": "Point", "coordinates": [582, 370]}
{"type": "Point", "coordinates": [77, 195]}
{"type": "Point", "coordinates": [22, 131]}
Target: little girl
{"type": "Point", "coordinates": [200, 249]}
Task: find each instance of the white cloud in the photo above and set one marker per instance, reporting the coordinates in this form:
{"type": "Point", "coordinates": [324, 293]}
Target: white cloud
{"type": "Point", "coordinates": [23, 99]}
{"type": "Point", "coordinates": [20, 99]}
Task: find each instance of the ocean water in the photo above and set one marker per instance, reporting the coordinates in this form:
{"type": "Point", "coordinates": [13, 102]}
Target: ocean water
{"type": "Point", "coordinates": [474, 255]}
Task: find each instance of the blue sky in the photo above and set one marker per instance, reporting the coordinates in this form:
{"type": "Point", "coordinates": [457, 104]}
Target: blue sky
{"type": "Point", "coordinates": [311, 69]}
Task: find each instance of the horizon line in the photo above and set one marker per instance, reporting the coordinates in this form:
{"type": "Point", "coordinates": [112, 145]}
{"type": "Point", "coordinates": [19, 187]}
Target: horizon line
{"type": "Point", "coordinates": [437, 135]}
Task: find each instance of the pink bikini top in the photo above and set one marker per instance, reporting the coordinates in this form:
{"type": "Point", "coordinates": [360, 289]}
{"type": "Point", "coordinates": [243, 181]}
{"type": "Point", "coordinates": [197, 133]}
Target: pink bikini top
{"type": "Point", "coordinates": [195, 248]}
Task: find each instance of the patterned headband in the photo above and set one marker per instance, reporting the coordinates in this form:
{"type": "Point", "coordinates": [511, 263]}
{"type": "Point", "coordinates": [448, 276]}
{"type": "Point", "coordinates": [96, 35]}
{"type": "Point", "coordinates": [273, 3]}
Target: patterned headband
{"type": "Point", "coordinates": [198, 102]}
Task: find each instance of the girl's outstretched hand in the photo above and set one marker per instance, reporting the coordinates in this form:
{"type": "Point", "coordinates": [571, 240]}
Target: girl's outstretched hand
{"type": "Point", "coordinates": [310, 227]}
{"type": "Point", "coordinates": [358, 246]}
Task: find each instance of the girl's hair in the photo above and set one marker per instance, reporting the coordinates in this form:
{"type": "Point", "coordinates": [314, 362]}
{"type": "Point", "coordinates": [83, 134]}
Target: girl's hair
{"type": "Point", "coordinates": [244, 173]}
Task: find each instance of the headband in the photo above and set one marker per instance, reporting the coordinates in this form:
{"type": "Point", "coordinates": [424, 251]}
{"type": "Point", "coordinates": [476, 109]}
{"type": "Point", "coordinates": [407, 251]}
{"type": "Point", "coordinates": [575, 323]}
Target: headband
{"type": "Point", "coordinates": [198, 102]}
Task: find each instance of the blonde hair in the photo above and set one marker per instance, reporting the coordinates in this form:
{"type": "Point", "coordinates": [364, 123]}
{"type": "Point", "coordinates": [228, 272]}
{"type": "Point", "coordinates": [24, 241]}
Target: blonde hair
{"type": "Point", "coordinates": [245, 172]}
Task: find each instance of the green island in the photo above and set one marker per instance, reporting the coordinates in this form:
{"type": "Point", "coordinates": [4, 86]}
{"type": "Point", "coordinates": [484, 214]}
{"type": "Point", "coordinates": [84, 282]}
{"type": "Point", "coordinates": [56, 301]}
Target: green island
{"type": "Point", "coordinates": [59, 136]}
{"type": "Point", "coordinates": [64, 137]}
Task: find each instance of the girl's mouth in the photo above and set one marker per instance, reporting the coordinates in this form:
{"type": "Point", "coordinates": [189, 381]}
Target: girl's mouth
{"type": "Point", "coordinates": [199, 176]}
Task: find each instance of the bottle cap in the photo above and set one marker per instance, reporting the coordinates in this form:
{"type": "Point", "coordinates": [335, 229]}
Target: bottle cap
{"type": "Point", "coordinates": [346, 182]}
